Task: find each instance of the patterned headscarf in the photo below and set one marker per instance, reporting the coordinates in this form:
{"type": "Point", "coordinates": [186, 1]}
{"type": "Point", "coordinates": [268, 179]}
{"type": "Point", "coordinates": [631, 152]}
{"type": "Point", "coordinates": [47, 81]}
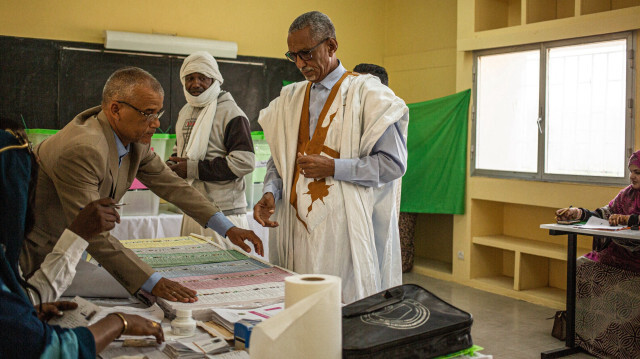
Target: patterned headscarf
{"type": "Point", "coordinates": [628, 200]}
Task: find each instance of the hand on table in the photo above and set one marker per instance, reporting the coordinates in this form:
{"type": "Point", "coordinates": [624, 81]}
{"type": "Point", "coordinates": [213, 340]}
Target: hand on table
{"type": "Point", "coordinates": [137, 325]}
{"type": "Point", "coordinates": [180, 168]}
{"type": "Point", "coordinates": [315, 166]}
{"type": "Point", "coordinates": [618, 219]}
{"type": "Point", "coordinates": [263, 210]}
{"type": "Point", "coordinates": [568, 214]}
{"type": "Point", "coordinates": [173, 291]}
{"type": "Point", "coordinates": [53, 309]}
{"type": "Point", "coordinates": [238, 235]}
{"type": "Point", "coordinates": [96, 217]}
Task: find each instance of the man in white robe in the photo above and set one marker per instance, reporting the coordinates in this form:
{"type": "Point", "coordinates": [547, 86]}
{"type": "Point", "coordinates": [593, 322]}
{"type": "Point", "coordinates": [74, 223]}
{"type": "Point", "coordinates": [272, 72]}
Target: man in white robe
{"type": "Point", "coordinates": [333, 138]}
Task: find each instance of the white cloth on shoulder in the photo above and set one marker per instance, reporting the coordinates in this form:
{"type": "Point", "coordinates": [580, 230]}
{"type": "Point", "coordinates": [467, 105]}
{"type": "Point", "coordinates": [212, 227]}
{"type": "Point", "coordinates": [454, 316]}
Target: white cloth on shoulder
{"type": "Point", "coordinates": [201, 62]}
{"type": "Point", "coordinates": [338, 235]}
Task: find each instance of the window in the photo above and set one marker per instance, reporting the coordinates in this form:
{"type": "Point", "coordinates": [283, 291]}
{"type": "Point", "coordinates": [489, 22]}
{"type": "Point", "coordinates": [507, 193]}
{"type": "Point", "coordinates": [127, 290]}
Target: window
{"type": "Point", "coordinates": [558, 111]}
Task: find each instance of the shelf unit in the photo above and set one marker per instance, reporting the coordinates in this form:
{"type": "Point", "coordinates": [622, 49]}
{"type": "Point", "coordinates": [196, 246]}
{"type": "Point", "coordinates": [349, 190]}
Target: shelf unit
{"type": "Point", "coordinates": [497, 14]}
{"type": "Point", "coordinates": [523, 268]}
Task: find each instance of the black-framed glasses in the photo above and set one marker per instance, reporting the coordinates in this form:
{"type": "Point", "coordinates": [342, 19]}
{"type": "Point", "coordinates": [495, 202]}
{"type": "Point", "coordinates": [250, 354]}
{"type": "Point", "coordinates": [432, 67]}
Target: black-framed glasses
{"type": "Point", "coordinates": [305, 55]}
{"type": "Point", "coordinates": [148, 116]}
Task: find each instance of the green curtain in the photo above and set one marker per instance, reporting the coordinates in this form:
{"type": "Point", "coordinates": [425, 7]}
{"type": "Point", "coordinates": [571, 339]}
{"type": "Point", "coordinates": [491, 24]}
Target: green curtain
{"type": "Point", "coordinates": [437, 146]}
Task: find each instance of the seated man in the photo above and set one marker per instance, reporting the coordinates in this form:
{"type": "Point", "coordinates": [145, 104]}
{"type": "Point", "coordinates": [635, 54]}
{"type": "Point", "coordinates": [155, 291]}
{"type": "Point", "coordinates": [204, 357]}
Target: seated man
{"type": "Point", "coordinates": [97, 155]}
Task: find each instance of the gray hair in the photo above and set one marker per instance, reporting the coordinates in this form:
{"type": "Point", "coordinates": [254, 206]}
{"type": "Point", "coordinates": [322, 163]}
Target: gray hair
{"type": "Point", "coordinates": [123, 81]}
{"type": "Point", "coordinates": [321, 25]}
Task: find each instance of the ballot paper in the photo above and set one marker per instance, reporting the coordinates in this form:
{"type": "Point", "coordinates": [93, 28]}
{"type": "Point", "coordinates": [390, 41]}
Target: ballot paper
{"type": "Point", "coordinates": [602, 224]}
{"type": "Point", "coordinates": [195, 347]}
{"type": "Point", "coordinates": [228, 317]}
{"type": "Point", "coordinates": [79, 317]}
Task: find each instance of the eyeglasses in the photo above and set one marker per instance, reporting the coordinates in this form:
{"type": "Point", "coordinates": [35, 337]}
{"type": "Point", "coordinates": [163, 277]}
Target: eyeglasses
{"type": "Point", "coordinates": [149, 116]}
{"type": "Point", "coordinates": [305, 55]}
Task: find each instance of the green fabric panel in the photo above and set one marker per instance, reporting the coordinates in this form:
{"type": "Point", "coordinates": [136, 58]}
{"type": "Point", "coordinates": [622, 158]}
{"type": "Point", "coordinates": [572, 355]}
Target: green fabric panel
{"type": "Point", "coordinates": [437, 150]}
{"type": "Point", "coordinates": [285, 83]}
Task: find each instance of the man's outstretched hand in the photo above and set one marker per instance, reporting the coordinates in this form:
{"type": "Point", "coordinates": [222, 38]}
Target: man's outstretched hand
{"type": "Point", "coordinates": [237, 236]}
{"type": "Point", "coordinates": [174, 291]}
{"type": "Point", "coordinates": [263, 210]}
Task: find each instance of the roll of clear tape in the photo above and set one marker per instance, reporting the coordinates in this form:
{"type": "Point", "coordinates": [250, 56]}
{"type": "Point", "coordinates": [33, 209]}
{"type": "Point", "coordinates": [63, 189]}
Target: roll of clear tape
{"type": "Point", "coordinates": [309, 327]}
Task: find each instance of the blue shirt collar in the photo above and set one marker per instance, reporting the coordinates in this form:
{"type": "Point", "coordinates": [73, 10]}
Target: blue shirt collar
{"type": "Point", "coordinates": [333, 76]}
{"type": "Point", "coordinates": [122, 150]}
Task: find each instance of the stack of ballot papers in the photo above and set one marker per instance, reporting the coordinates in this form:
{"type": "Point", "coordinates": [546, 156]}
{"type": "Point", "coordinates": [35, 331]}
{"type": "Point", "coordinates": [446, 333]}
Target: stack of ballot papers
{"type": "Point", "coordinates": [229, 317]}
{"type": "Point", "coordinates": [89, 313]}
{"type": "Point", "coordinates": [223, 278]}
{"type": "Point", "coordinates": [199, 346]}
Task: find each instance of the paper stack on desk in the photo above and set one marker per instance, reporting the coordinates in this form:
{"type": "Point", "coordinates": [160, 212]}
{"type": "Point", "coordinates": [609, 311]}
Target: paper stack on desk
{"type": "Point", "coordinates": [198, 346]}
{"type": "Point", "coordinates": [222, 278]}
{"type": "Point", "coordinates": [228, 317]}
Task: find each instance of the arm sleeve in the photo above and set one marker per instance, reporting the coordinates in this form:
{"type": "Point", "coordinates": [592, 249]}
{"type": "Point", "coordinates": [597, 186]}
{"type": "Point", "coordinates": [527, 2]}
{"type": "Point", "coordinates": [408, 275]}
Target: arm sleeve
{"type": "Point", "coordinates": [272, 180]}
{"type": "Point", "coordinates": [387, 161]}
{"type": "Point", "coordinates": [31, 338]}
{"type": "Point", "coordinates": [240, 158]}
{"type": "Point", "coordinates": [59, 267]}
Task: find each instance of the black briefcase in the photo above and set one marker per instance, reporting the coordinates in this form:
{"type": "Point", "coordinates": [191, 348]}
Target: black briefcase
{"type": "Point", "coordinates": [404, 322]}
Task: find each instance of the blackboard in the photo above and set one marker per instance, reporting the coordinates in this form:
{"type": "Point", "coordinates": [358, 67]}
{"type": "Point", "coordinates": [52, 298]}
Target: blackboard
{"type": "Point", "coordinates": [47, 82]}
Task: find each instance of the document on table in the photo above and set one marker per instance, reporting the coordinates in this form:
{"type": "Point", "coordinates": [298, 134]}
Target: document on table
{"type": "Point", "coordinates": [245, 265]}
{"type": "Point", "coordinates": [153, 313]}
{"type": "Point", "coordinates": [228, 317]}
{"type": "Point", "coordinates": [79, 317]}
{"type": "Point", "coordinates": [602, 224]}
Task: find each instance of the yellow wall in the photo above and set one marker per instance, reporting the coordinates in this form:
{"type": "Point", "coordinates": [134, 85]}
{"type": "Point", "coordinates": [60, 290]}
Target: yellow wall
{"type": "Point", "coordinates": [259, 27]}
{"type": "Point", "coordinates": [420, 43]}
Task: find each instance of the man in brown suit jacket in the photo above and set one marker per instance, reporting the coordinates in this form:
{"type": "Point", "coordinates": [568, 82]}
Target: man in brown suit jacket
{"type": "Point", "coordinates": [98, 154]}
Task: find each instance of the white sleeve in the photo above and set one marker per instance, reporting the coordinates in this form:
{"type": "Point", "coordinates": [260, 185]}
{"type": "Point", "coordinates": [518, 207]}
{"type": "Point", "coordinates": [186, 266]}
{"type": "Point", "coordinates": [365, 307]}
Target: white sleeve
{"type": "Point", "coordinates": [59, 267]}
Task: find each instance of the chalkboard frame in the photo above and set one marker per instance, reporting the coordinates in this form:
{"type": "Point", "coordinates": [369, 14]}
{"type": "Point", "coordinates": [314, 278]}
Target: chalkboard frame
{"type": "Point", "coordinates": [47, 82]}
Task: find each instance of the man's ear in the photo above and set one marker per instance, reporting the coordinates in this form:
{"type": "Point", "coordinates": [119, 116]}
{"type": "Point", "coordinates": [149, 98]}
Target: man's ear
{"type": "Point", "coordinates": [333, 46]}
{"type": "Point", "coordinates": [114, 110]}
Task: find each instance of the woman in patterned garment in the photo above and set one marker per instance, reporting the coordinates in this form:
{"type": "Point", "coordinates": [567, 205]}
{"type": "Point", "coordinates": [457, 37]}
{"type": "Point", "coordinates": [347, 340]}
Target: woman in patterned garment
{"type": "Point", "coordinates": [25, 331]}
{"type": "Point", "coordinates": [622, 210]}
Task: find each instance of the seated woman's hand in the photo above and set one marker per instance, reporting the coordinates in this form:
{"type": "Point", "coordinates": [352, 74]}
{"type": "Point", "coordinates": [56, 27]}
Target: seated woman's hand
{"type": "Point", "coordinates": [47, 311]}
{"type": "Point", "coordinates": [568, 214]}
{"type": "Point", "coordinates": [618, 219]}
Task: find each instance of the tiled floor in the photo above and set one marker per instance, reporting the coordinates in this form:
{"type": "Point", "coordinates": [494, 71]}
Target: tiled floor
{"type": "Point", "coordinates": [506, 328]}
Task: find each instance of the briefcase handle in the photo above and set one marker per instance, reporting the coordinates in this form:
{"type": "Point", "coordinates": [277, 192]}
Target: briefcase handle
{"type": "Point", "coordinates": [389, 299]}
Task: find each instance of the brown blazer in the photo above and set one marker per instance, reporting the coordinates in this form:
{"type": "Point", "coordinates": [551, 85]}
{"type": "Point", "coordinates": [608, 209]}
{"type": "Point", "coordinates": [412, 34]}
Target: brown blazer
{"type": "Point", "coordinates": [78, 165]}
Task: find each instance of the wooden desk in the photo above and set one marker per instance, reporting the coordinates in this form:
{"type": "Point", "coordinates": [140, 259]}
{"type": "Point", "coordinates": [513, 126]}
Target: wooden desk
{"type": "Point", "coordinates": [572, 236]}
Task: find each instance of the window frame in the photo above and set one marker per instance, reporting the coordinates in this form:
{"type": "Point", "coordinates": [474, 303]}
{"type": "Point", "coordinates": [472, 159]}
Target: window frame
{"type": "Point", "coordinates": [544, 48]}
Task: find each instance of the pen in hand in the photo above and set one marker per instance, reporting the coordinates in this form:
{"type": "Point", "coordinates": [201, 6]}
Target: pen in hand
{"type": "Point", "coordinates": [565, 210]}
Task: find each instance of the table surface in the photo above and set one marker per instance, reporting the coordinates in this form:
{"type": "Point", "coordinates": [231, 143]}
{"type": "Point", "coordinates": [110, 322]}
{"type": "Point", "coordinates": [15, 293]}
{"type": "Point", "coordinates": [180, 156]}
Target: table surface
{"type": "Point", "coordinates": [572, 228]}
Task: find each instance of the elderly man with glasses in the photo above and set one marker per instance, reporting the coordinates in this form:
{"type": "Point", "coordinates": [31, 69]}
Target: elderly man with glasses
{"type": "Point", "coordinates": [97, 155]}
{"type": "Point", "coordinates": [333, 138]}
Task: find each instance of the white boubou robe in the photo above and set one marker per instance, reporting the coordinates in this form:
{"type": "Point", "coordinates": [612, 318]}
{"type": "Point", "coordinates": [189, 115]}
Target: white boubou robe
{"type": "Point", "coordinates": [326, 225]}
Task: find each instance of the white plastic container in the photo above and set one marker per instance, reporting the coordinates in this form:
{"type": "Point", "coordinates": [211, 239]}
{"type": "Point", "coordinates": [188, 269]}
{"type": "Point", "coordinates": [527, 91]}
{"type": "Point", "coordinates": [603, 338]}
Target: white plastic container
{"type": "Point", "coordinates": [140, 202]}
{"type": "Point", "coordinates": [183, 324]}
{"type": "Point", "coordinates": [159, 142]}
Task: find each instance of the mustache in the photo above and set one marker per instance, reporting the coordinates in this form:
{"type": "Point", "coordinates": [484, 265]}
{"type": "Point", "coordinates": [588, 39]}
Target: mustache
{"type": "Point", "coordinates": [306, 68]}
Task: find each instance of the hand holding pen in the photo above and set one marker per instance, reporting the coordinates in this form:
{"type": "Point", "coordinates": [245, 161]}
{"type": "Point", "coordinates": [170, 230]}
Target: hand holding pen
{"type": "Point", "coordinates": [97, 217]}
{"type": "Point", "coordinates": [568, 214]}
